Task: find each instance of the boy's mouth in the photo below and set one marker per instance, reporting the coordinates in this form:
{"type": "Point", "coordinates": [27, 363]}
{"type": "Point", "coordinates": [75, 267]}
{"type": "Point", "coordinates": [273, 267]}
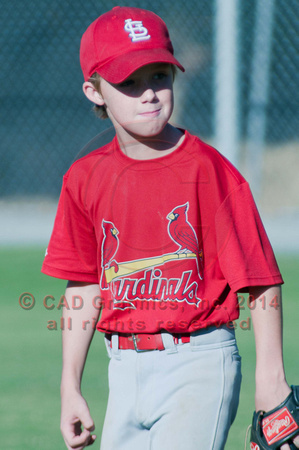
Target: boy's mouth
{"type": "Point", "coordinates": [150, 114]}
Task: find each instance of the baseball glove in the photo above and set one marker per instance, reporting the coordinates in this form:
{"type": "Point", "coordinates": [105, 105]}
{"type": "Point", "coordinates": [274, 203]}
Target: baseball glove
{"type": "Point", "coordinates": [274, 428]}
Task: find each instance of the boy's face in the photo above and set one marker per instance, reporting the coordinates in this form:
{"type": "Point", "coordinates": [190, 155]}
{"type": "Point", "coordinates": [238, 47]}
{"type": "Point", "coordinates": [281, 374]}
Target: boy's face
{"type": "Point", "coordinates": [143, 103]}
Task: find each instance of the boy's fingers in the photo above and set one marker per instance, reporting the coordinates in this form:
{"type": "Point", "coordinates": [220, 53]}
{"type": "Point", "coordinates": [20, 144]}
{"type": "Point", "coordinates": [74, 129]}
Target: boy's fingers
{"type": "Point", "coordinates": [80, 435]}
{"type": "Point", "coordinates": [87, 421]}
{"type": "Point", "coordinates": [81, 441]}
{"type": "Point", "coordinates": [286, 446]}
{"type": "Point", "coordinates": [91, 440]}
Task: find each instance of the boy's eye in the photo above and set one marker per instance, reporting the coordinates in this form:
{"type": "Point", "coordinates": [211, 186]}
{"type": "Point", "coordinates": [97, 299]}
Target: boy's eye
{"type": "Point", "coordinates": [160, 75]}
{"type": "Point", "coordinates": [126, 83]}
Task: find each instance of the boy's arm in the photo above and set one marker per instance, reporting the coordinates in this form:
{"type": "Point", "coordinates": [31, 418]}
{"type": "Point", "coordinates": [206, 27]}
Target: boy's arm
{"type": "Point", "coordinates": [271, 385]}
{"type": "Point", "coordinates": [76, 339]}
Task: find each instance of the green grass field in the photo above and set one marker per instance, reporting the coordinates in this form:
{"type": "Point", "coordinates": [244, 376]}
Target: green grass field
{"type": "Point", "coordinates": [31, 356]}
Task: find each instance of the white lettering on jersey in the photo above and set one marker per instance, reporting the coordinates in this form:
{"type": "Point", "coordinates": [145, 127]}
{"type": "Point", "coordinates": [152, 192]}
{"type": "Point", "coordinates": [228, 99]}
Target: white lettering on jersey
{"type": "Point", "coordinates": [137, 32]}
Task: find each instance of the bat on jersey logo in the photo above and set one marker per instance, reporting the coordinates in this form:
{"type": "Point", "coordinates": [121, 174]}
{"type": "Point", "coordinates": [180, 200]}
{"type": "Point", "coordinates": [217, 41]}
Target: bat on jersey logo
{"type": "Point", "coordinates": [127, 268]}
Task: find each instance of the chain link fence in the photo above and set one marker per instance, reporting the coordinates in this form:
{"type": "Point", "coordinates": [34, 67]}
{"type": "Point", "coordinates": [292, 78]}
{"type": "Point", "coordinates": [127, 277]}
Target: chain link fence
{"type": "Point", "coordinates": [46, 121]}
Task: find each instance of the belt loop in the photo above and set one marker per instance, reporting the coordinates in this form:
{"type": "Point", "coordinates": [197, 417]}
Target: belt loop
{"type": "Point", "coordinates": [108, 346]}
{"type": "Point", "coordinates": [194, 340]}
{"type": "Point", "coordinates": [168, 341]}
{"type": "Point", "coordinates": [115, 350]}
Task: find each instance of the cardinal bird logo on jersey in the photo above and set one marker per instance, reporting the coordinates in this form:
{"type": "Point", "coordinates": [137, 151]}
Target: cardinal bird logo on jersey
{"type": "Point", "coordinates": [183, 234]}
{"type": "Point", "coordinates": [109, 248]}
{"type": "Point", "coordinates": [151, 282]}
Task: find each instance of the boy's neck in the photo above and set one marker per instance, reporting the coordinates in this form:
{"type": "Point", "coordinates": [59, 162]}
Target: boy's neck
{"type": "Point", "coordinates": [142, 148]}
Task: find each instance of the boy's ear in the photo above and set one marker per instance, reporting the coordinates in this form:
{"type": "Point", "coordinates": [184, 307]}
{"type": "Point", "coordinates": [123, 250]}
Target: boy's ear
{"type": "Point", "coordinates": [92, 94]}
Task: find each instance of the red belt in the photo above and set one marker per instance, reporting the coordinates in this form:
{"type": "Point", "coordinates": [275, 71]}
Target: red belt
{"type": "Point", "coordinates": [144, 342]}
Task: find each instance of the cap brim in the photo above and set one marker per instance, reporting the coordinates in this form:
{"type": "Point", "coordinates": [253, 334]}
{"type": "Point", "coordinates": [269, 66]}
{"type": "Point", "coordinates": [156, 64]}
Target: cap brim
{"type": "Point", "coordinates": [120, 68]}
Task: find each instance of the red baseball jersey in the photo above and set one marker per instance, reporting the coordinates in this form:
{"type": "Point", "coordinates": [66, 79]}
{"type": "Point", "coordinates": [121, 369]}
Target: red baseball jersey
{"type": "Point", "coordinates": [169, 240]}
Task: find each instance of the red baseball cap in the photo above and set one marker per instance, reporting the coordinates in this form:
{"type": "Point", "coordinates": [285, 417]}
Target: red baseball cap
{"type": "Point", "coordinates": [123, 40]}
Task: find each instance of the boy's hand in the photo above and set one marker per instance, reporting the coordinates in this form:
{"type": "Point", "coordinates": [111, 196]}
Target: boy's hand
{"type": "Point", "coordinates": [76, 423]}
{"type": "Point", "coordinates": [277, 427]}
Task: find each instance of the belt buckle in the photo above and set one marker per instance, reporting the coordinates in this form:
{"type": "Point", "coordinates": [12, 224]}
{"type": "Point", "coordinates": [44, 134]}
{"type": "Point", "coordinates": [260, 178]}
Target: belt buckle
{"type": "Point", "coordinates": [135, 341]}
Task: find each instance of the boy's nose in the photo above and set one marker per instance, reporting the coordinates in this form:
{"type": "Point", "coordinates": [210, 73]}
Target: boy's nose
{"type": "Point", "coordinates": [148, 94]}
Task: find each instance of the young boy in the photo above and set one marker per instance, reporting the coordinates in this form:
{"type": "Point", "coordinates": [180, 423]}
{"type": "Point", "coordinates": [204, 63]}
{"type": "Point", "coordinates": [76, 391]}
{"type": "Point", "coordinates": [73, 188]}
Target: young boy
{"type": "Point", "coordinates": [157, 232]}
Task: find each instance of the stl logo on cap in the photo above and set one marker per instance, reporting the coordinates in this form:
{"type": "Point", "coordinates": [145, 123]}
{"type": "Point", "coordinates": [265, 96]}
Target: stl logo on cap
{"type": "Point", "coordinates": [136, 30]}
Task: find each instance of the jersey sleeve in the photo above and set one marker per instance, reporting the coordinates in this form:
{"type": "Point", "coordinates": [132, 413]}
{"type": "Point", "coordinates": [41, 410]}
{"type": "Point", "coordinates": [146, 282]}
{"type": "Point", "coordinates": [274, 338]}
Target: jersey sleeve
{"type": "Point", "coordinates": [72, 250]}
{"type": "Point", "coordinates": [245, 254]}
